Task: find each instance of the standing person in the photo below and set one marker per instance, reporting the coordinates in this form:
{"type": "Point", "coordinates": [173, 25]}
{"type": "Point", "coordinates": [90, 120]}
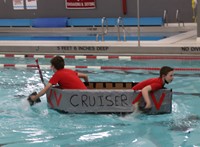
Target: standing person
{"type": "Point", "coordinates": [153, 84]}
{"type": "Point", "coordinates": [65, 78]}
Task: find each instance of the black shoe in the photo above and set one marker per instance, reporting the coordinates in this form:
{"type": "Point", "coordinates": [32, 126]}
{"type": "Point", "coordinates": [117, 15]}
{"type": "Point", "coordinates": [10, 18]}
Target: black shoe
{"type": "Point", "coordinates": [146, 110]}
{"type": "Point", "coordinates": [141, 107]}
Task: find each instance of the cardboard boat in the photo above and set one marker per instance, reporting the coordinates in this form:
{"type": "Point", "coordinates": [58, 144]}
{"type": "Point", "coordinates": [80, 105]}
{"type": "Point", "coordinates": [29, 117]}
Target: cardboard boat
{"type": "Point", "coordinates": [107, 97]}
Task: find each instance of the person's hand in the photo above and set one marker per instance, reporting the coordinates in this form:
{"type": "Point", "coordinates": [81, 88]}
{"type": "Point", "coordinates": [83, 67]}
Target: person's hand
{"type": "Point", "coordinates": [33, 97]}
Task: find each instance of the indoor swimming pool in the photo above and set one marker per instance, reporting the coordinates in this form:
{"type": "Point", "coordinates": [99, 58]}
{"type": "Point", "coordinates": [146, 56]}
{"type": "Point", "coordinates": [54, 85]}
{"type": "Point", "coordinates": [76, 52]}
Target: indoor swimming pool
{"type": "Point", "coordinates": [80, 36]}
{"type": "Point", "coordinates": [22, 125]}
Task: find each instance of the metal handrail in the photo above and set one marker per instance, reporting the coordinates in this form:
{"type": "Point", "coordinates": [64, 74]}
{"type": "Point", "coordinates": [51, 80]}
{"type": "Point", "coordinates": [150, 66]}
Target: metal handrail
{"type": "Point", "coordinates": [177, 16]}
{"type": "Point", "coordinates": [97, 37]}
{"type": "Point", "coordinates": [120, 22]}
{"type": "Point", "coordinates": [103, 21]}
{"type": "Point", "coordinates": [165, 17]}
{"type": "Point", "coordinates": [178, 20]}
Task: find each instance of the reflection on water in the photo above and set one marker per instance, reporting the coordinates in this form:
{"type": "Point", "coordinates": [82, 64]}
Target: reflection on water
{"type": "Point", "coordinates": [184, 124]}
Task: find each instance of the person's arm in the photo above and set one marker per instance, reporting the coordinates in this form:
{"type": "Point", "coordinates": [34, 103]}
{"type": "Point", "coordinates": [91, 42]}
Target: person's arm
{"type": "Point", "coordinates": [42, 92]}
{"type": "Point", "coordinates": [83, 76]}
{"type": "Point", "coordinates": [145, 94]}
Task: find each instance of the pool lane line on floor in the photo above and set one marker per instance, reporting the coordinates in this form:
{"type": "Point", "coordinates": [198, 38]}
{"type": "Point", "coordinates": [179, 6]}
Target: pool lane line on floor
{"type": "Point", "coordinates": [34, 66]}
{"type": "Point", "coordinates": [133, 57]}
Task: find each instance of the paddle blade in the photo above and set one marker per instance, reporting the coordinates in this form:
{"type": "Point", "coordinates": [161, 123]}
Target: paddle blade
{"type": "Point", "coordinates": [31, 102]}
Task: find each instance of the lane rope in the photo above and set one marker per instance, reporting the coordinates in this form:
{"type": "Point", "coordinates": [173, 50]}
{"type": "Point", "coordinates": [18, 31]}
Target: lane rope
{"type": "Point", "coordinates": [134, 57]}
{"type": "Point", "coordinates": [94, 67]}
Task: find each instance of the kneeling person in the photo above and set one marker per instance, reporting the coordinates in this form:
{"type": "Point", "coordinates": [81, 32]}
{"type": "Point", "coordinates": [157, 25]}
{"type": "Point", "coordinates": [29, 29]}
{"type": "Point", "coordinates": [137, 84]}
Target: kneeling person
{"type": "Point", "coordinates": [153, 84]}
{"type": "Point", "coordinates": [65, 78]}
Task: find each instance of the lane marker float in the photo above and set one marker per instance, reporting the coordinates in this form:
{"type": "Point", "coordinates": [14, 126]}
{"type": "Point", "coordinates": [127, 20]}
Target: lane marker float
{"type": "Point", "coordinates": [34, 66]}
{"type": "Point", "coordinates": [137, 57]}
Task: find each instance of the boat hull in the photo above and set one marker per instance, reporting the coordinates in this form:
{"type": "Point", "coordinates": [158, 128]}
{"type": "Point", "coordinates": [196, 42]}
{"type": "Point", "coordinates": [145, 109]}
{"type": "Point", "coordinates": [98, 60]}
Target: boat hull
{"type": "Point", "coordinates": [107, 100]}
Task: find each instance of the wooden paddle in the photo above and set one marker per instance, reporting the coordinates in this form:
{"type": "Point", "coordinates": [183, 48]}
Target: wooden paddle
{"type": "Point", "coordinates": [40, 72]}
{"type": "Point", "coordinates": [31, 102]}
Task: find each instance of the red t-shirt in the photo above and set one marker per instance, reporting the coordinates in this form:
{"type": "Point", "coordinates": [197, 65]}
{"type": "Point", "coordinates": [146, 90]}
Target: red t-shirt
{"type": "Point", "coordinates": [155, 83]}
{"type": "Point", "coordinates": [67, 79]}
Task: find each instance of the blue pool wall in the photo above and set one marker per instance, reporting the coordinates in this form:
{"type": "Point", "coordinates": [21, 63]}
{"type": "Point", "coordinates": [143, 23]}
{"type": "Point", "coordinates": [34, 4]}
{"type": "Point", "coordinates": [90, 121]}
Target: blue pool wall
{"type": "Point", "coordinates": [61, 22]}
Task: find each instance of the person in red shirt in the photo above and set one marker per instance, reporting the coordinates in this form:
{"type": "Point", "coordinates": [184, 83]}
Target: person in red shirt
{"type": "Point", "coordinates": [65, 78]}
{"type": "Point", "coordinates": [153, 84]}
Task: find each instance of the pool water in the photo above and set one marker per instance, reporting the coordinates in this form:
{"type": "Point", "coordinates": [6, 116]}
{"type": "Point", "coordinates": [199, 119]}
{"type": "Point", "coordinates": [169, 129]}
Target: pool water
{"type": "Point", "coordinates": [21, 125]}
{"type": "Point", "coordinates": [84, 36]}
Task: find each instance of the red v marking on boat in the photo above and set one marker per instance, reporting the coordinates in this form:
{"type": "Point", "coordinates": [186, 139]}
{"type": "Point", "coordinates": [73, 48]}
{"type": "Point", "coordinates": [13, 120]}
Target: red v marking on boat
{"type": "Point", "coordinates": [57, 98]}
{"type": "Point", "coordinates": [49, 98]}
{"type": "Point", "coordinates": [137, 98]}
{"type": "Point", "coordinates": [159, 103]}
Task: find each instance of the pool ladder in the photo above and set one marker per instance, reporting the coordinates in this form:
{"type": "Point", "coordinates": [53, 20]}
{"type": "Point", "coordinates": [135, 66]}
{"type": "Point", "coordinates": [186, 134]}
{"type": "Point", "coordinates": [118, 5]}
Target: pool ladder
{"type": "Point", "coordinates": [178, 19]}
{"type": "Point", "coordinates": [104, 31]}
{"type": "Point", "coordinates": [120, 22]}
{"type": "Point", "coordinates": [165, 17]}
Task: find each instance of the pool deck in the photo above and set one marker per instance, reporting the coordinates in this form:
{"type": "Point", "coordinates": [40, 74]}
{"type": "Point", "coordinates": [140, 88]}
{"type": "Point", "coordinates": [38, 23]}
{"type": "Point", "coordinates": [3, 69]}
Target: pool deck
{"type": "Point", "coordinates": [184, 43]}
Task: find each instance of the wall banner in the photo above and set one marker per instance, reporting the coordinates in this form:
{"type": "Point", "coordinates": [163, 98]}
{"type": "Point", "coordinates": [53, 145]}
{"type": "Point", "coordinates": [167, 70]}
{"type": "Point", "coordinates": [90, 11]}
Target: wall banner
{"type": "Point", "coordinates": [80, 4]}
{"type": "Point", "coordinates": [18, 4]}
